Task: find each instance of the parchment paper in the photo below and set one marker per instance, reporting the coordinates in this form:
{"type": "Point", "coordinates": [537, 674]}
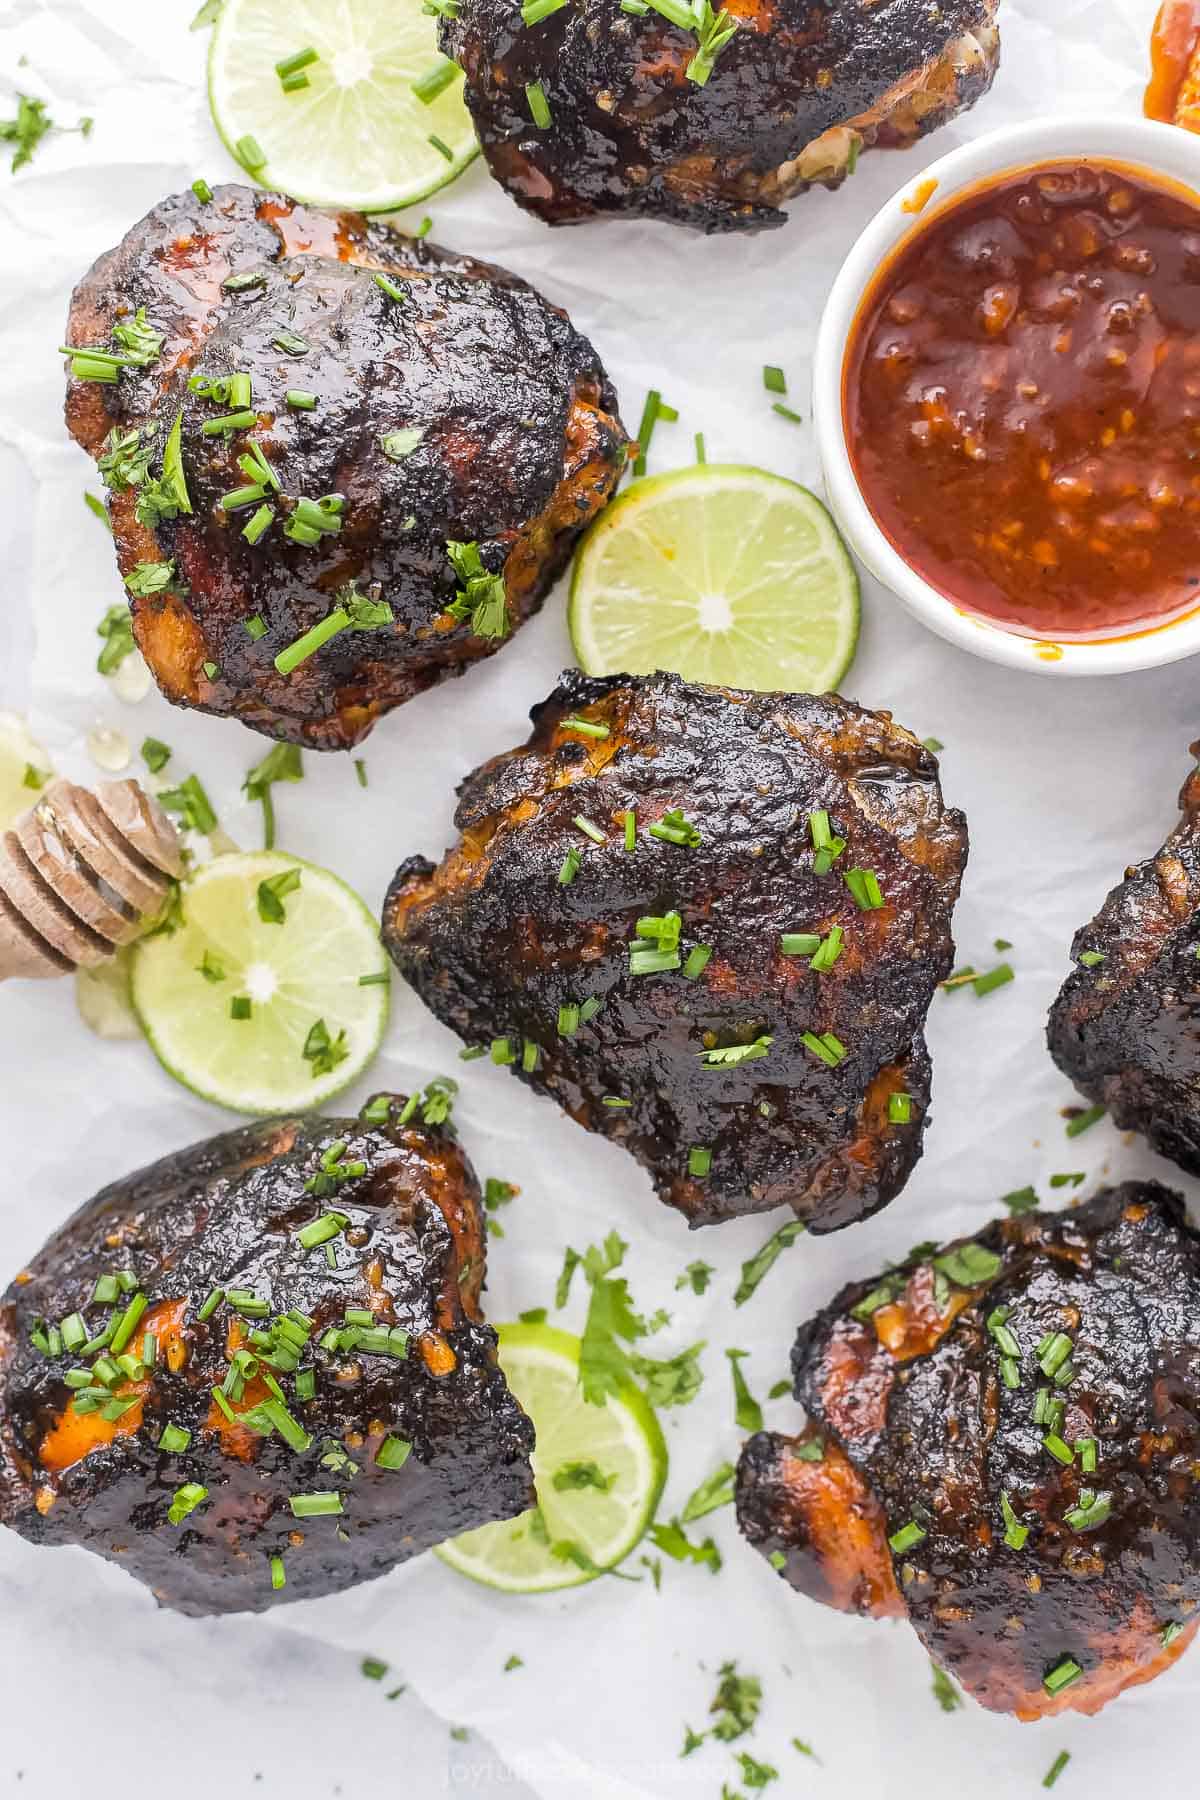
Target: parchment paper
{"type": "Point", "coordinates": [1063, 784]}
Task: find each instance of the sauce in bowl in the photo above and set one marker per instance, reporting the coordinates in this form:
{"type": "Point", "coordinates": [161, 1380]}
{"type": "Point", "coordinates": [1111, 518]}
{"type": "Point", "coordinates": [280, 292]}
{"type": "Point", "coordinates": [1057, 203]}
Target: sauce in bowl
{"type": "Point", "coordinates": [1021, 396]}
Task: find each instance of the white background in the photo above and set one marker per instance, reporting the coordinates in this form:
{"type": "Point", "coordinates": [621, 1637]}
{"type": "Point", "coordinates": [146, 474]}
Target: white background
{"type": "Point", "coordinates": [1062, 783]}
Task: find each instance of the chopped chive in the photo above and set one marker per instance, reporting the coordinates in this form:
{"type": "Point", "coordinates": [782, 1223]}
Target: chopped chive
{"type": "Point", "coordinates": [568, 1019]}
{"type": "Point", "coordinates": [615, 1100]}
{"type": "Point", "coordinates": [995, 978]}
{"type": "Point", "coordinates": [698, 960]}
{"type": "Point", "coordinates": [539, 106]}
{"type": "Point", "coordinates": [1055, 1353]}
{"type": "Point", "coordinates": [502, 1051]}
{"type": "Point", "coordinates": [786, 412]}
{"type": "Point", "coordinates": [322, 1230]}
{"type": "Point", "coordinates": [300, 400]}
{"type": "Point", "coordinates": [585, 728]}
{"type": "Point", "coordinates": [534, 11]}
{"type": "Point", "coordinates": [588, 829]}
{"type": "Point", "coordinates": [899, 1109]}
{"type": "Point", "coordinates": [571, 864]}
{"type": "Point", "coordinates": [799, 943]}
{"type": "Point", "coordinates": [292, 84]}
{"type": "Point", "coordinates": [1085, 1120]}
{"type": "Point", "coordinates": [630, 830]}
{"type": "Point", "coordinates": [250, 153]}
{"type": "Point", "coordinates": [1056, 1768]}
{"type": "Point", "coordinates": [389, 287]}
{"type": "Point", "coordinates": [864, 886]}
{"type": "Point", "coordinates": [1060, 1451]}
{"type": "Point", "coordinates": [202, 190]}
{"type": "Point", "coordinates": [278, 1573]}
{"type": "Point", "coordinates": [529, 1056]}
{"type": "Point", "coordinates": [239, 497]}
{"type": "Point", "coordinates": [378, 979]}
{"type": "Point", "coordinates": [701, 452]}
{"type": "Point", "coordinates": [210, 1305]}
{"type": "Point", "coordinates": [252, 531]}
{"type": "Point", "coordinates": [774, 379]}
{"type": "Point", "coordinates": [907, 1536]}
{"type": "Point", "coordinates": [1085, 1450]}
{"type": "Point", "coordinates": [1015, 1534]}
{"type": "Point", "coordinates": [424, 228]}
{"type": "Point", "coordinates": [235, 421]}
{"type": "Point", "coordinates": [186, 1500]}
{"type": "Point", "coordinates": [699, 1160]}
{"type": "Point", "coordinates": [440, 145]}
{"type": "Point", "coordinates": [128, 1322]}
{"type": "Point", "coordinates": [315, 1506]}
{"type": "Point", "coordinates": [256, 627]}
{"type": "Point", "coordinates": [393, 1453]}
{"type": "Point", "coordinates": [1089, 1514]}
{"type": "Point", "coordinates": [829, 950]}
{"type": "Point", "coordinates": [241, 1007]}
{"type": "Point", "coordinates": [434, 81]}
{"type": "Point", "coordinates": [290, 341]}
{"type": "Point", "coordinates": [174, 1438]}
{"type": "Point", "coordinates": [1061, 1675]}
{"type": "Point", "coordinates": [291, 65]}
{"type": "Point", "coordinates": [1091, 959]}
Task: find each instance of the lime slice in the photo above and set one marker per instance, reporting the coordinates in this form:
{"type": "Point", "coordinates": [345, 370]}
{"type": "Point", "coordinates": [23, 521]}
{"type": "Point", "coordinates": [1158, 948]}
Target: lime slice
{"type": "Point", "coordinates": [357, 136]}
{"type": "Point", "coordinates": [24, 768]}
{"type": "Point", "coordinates": [301, 982]}
{"type": "Point", "coordinates": [724, 574]}
{"type": "Point", "coordinates": [619, 1442]}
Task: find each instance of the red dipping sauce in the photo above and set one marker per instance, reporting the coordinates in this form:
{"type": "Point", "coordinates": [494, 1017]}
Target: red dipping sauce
{"type": "Point", "coordinates": [1022, 400]}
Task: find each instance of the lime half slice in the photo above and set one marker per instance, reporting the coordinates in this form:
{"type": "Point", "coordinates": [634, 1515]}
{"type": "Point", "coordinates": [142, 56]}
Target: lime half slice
{"type": "Point", "coordinates": [357, 135]}
{"type": "Point", "coordinates": [724, 574]}
{"type": "Point", "coordinates": [255, 1013]}
{"type": "Point", "coordinates": [24, 768]}
{"type": "Point", "coordinates": [599, 1472]}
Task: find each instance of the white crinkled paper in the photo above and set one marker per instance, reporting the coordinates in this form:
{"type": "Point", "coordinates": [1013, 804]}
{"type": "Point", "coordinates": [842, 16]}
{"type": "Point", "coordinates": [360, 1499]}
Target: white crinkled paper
{"type": "Point", "coordinates": [1063, 783]}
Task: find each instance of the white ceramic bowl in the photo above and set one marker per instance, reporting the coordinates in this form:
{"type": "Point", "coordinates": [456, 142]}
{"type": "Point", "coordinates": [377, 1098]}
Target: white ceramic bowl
{"type": "Point", "coordinates": [1162, 150]}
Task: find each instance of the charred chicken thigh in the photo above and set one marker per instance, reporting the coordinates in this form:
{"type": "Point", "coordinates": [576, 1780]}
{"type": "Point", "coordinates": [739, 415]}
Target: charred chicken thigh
{"type": "Point", "coordinates": [1126, 1025]}
{"type": "Point", "coordinates": [342, 464]}
{"type": "Point", "coordinates": [1002, 1446]}
{"type": "Point", "coordinates": [708, 119]}
{"type": "Point", "coordinates": [257, 1370]}
{"type": "Point", "coordinates": [709, 923]}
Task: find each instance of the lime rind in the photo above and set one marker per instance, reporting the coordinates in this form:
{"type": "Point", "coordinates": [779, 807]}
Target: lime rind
{"type": "Point", "coordinates": [623, 1437]}
{"type": "Point", "coordinates": [356, 136]}
{"type": "Point", "coordinates": [307, 968]}
{"type": "Point", "coordinates": [724, 573]}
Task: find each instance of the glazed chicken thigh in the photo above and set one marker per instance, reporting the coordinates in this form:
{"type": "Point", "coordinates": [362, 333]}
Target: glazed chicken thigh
{"type": "Point", "coordinates": [1002, 1447]}
{"type": "Point", "coordinates": [257, 1370]}
{"type": "Point", "coordinates": [1126, 1025]}
{"type": "Point", "coordinates": [655, 109]}
{"type": "Point", "coordinates": [709, 923]}
{"type": "Point", "coordinates": [342, 464]}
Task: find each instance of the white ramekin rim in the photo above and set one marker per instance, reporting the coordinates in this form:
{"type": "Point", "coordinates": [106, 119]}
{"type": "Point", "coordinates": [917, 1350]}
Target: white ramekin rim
{"type": "Point", "coordinates": [1162, 150]}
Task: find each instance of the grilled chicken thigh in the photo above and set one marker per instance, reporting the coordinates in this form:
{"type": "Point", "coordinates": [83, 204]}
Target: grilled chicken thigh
{"type": "Point", "coordinates": [326, 428]}
{"type": "Point", "coordinates": [257, 1370]}
{"type": "Point", "coordinates": [1002, 1447]}
{"type": "Point", "coordinates": [1126, 1025]}
{"type": "Point", "coordinates": [708, 923]}
{"type": "Point", "coordinates": [681, 121]}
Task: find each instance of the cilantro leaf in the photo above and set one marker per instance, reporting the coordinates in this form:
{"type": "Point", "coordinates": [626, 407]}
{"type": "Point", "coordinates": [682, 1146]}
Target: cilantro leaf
{"type": "Point", "coordinates": [674, 1542]}
{"type": "Point", "coordinates": [747, 1411]}
{"type": "Point", "coordinates": [697, 1276]}
{"type": "Point", "coordinates": [715, 1492]}
{"type": "Point", "coordinates": [673, 1382]}
{"type": "Point", "coordinates": [764, 1260]}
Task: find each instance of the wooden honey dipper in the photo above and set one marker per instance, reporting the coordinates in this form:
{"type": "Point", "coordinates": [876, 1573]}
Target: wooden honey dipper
{"type": "Point", "coordinates": [80, 873]}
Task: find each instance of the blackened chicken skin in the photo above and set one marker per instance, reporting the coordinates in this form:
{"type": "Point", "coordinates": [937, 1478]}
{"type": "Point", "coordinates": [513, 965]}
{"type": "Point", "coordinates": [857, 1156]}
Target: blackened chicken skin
{"type": "Point", "coordinates": [892, 1502]}
{"type": "Point", "coordinates": [800, 89]}
{"type": "Point", "coordinates": [1126, 1025]}
{"type": "Point", "coordinates": [224, 1218]}
{"type": "Point", "coordinates": [500, 939]}
{"type": "Point", "coordinates": [508, 440]}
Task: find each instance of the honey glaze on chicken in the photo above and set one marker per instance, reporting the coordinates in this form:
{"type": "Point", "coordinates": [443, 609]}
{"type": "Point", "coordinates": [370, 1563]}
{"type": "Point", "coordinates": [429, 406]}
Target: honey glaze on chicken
{"type": "Point", "coordinates": [1002, 1447]}
{"type": "Point", "coordinates": [257, 1371]}
{"type": "Point", "coordinates": [342, 464]}
{"type": "Point", "coordinates": [710, 924]}
{"type": "Point", "coordinates": [712, 123]}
